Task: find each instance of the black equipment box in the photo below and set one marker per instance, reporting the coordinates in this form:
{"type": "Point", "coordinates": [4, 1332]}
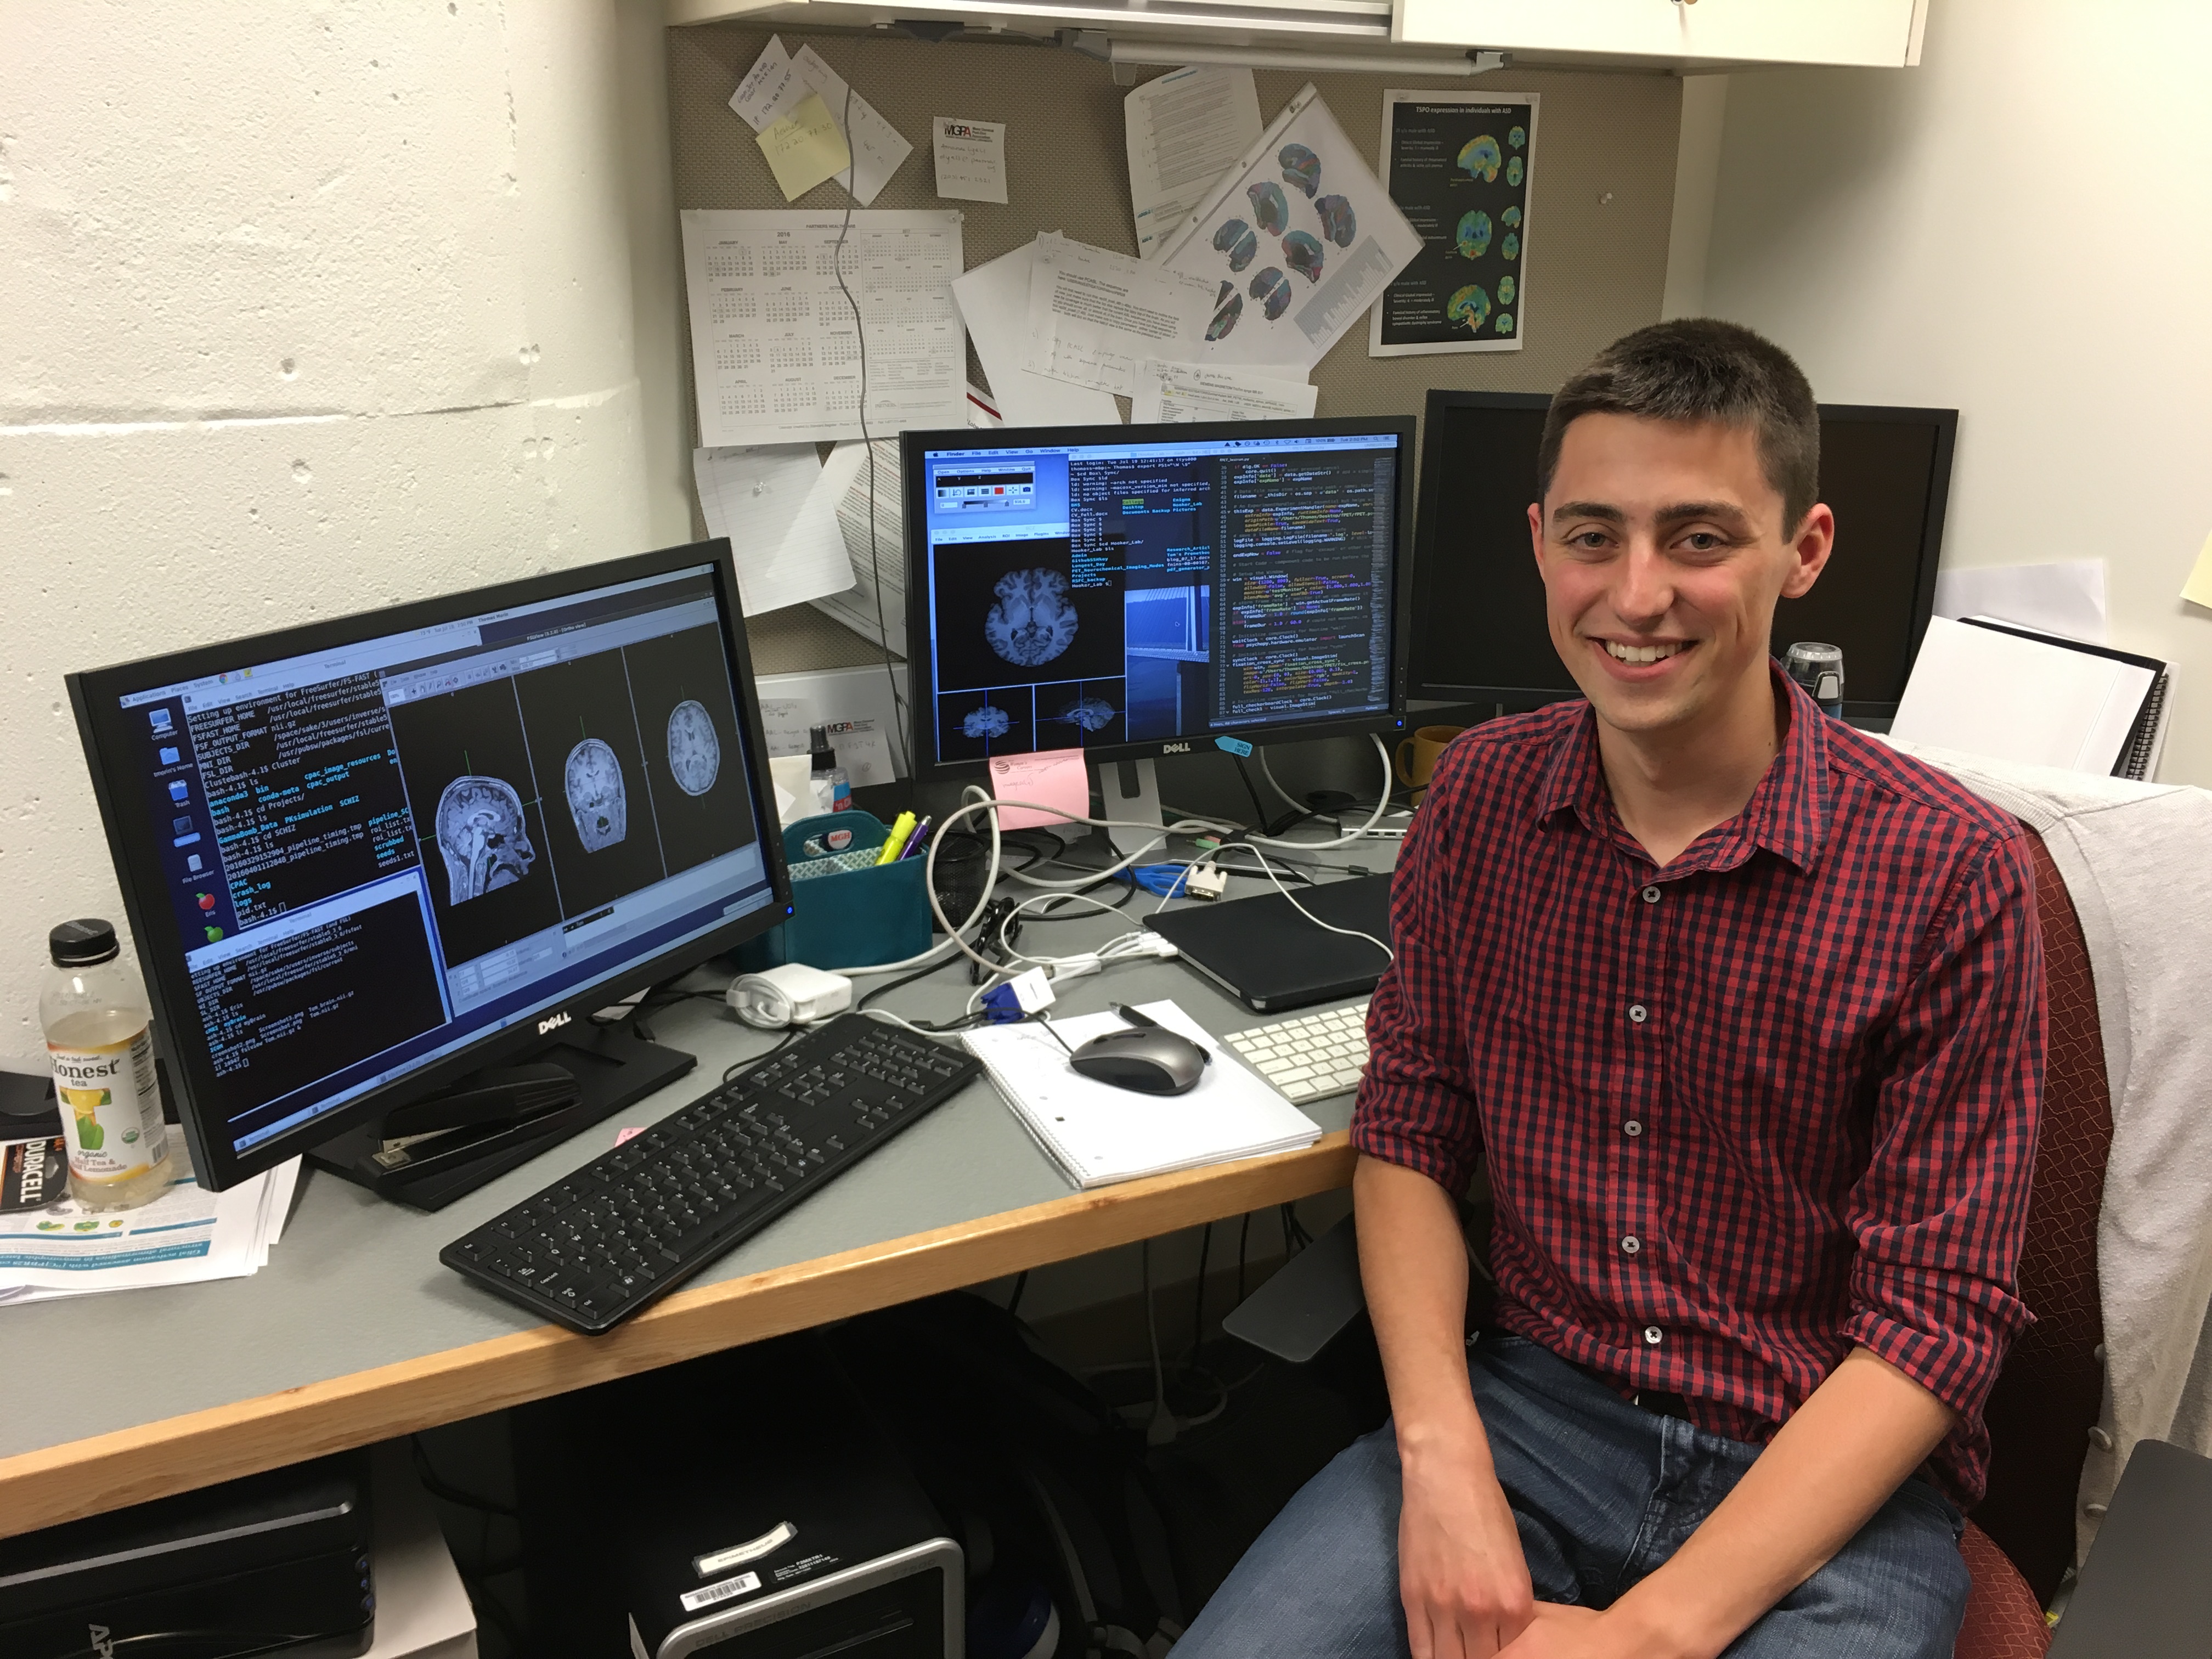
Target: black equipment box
{"type": "Point", "coordinates": [744, 1505]}
{"type": "Point", "coordinates": [273, 1563]}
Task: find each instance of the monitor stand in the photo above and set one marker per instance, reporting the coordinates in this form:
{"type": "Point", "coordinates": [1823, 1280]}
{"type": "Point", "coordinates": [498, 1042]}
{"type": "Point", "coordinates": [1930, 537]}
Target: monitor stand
{"type": "Point", "coordinates": [608, 1067]}
{"type": "Point", "coordinates": [1131, 789]}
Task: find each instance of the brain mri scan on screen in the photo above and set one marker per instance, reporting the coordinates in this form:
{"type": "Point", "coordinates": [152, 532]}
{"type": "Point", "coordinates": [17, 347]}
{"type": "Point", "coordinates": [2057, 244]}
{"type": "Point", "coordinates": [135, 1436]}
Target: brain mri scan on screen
{"type": "Point", "coordinates": [597, 799]}
{"type": "Point", "coordinates": [483, 838]}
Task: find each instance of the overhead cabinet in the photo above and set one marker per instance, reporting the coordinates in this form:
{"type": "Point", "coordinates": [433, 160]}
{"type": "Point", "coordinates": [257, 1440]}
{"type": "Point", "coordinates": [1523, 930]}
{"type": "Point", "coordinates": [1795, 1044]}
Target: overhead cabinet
{"type": "Point", "coordinates": [1875, 33]}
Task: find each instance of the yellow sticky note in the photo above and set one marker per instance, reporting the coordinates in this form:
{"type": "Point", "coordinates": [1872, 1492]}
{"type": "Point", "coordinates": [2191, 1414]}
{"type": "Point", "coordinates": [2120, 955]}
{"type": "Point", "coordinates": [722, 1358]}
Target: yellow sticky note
{"type": "Point", "coordinates": [805, 148]}
{"type": "Point", "coordinates": [2197, 590]}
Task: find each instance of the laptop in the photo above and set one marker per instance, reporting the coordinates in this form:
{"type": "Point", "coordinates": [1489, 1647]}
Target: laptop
{"type": "Point", "coordinates": [1270, 958]}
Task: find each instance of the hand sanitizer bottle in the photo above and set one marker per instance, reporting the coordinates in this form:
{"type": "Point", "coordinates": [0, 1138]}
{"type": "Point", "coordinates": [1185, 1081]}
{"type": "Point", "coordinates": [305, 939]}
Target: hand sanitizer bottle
{"type": "Point", "coordinates": [833, 789]}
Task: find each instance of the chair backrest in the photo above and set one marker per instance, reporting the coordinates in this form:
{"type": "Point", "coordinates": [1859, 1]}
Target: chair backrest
{"type": "Point", "coordinates": [2048, 1397]}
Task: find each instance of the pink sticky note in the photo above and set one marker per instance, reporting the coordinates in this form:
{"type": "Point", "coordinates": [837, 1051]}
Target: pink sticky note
{"type": "Point", "coordinates": [1056, 778]}
{"type": "Point", "coordinates": [629, 1133]}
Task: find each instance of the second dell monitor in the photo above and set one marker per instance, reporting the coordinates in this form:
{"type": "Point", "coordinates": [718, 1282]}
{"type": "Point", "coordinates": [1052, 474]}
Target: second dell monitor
{"type": "Point", "coordinates": [1135, 592]}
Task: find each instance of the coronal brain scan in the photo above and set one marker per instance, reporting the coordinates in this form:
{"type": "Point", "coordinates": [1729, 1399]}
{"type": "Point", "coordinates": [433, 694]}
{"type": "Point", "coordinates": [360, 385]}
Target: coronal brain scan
{"type": "Point", "coordinates": [1034, 619]}
{"type": "Point", "coordinates": [1505, 293]}
{"type": "Point", "coordinates": [1224, 317]}
{"type": "Point", "coordinates": [1301, 167]}
{"type": "Point", "coordinates": [1480, 158]}
{"type": "Point", "coordinates": [986, 722]}
{"type": "Point", "coordinates": [1302, 254]}
{"type": "Point", "coordinates": [1514, 171]}
{"type": "Point", "coordinates": [1511, 218]}
{"type": "Point", "coordinates": [1338, 221]}
{"type": "Point", "coordinates": [1510, 247]}
{"type": "Point", "coordinates": [1270, 208]}
{"type": "Point", "coordinates": [483, 838]}
{"type": "Point", "coordinates": [1091, 713]}
{"type": "Point", "coordinates": [1517, 137]}
{"type": "Point", "coordinates": [1470, 307]}
{"type": "Point", "coordinates": [1504, 322]}
{"type": "Point", "coordinates": [1273, 290]}
{"type": "Point", "coordinates": [597, 799]}
{"type": "Point", "coordinates": [1235, 237]}
{"type": "Point", "coordinates": [694, 753]}
{"type": "Point", "coordinates": [1473, 233]}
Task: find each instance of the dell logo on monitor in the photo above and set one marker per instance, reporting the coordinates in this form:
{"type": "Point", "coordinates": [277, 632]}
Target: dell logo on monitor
{"type": "Point", "coordinates": [1175, 749]}
{"type": "Point", "coordinates": [552, 1024]}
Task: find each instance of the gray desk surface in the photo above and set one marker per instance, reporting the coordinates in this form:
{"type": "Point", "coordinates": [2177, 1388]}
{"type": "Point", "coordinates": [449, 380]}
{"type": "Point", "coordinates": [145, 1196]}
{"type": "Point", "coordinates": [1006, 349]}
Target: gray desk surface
{"type": "Point", "coordinates": [354, 1331]}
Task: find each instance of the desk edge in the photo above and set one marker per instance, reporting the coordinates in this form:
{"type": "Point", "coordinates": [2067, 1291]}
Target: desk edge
{"type": "Point", "coordinates": [109, 1471]}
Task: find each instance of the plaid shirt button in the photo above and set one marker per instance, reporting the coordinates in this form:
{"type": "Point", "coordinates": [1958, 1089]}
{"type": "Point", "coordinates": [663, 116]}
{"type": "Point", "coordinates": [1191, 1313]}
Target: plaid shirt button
{"type": "Point", "coordinates": [1651, 895]}
{"type": "Point", "coordinates": [1631, 1128]}
{"type": "Point", "coordinates": [1638, 1012]}
{"type": "Point", "coordinates": [1630, 1245]}
{"type": "Point", "coordinates": [1652, 1335]}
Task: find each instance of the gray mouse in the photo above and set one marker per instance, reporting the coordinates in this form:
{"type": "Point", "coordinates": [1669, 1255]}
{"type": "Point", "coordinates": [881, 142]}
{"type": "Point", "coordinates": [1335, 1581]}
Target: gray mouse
{"type": "Point", "coordinates": [1150, 1059]}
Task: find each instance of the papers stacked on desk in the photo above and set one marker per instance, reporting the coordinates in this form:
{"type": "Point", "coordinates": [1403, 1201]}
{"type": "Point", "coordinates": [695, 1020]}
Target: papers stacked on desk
{"type": "Point", "coordinates": [1098, 1135]}
{"type": "Point", "coordinates": [182, 1237]}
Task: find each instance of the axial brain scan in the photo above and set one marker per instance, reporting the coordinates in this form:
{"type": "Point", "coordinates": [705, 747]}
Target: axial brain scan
{"type": "Point", "coordinates": [1514, 172]}
{"type": "Point", "coordinates": [1235, 237]}
{"type": "Point", "coordinates": [694, 753]}
{"type": "Point", "coordinates": [986, 722]}
{"type": "Point", "coordinates": [1034, 620]}
{"type": "Point", "coordinates": [1473, 233]}
{"type": "Point", "coordinates": [483, 836]}
{"type": "Point", "coordinates": [597, 799]}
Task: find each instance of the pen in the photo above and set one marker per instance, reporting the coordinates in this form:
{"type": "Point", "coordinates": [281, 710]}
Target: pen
{"type": "Point", "coordinates": [916, 842]}
{"type": "Point", "coordinates": [901, 827]}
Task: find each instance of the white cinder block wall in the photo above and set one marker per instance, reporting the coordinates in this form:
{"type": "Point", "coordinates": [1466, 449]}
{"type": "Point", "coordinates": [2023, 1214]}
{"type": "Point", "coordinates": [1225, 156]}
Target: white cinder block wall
{"type": "Point", "coordinates": [307, 308]}
{"type": "Point", "coordinates": [2020, 230]}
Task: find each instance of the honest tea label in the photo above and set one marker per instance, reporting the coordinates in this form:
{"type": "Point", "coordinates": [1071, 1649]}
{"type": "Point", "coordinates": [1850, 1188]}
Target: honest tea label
{"type": "Point", "coordinates": [111, 1108]}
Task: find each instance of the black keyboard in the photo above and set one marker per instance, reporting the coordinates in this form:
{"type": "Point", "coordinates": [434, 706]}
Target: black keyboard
{"type": "Point", "coordinates": [594, 1249]}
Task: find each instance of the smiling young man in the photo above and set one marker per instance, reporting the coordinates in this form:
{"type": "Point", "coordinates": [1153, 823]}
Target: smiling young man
{"type": "Point", "coordinates": [1741, 1012]}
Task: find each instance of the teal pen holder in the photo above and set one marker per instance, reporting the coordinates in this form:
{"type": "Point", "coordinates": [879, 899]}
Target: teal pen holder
{"type": "Point", "coordinates": [844, 917]}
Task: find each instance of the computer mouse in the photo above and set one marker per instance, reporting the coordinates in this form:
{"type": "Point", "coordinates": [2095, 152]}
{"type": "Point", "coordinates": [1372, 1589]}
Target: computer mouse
{"type": "Point", "coordinates": [1153, 1061]}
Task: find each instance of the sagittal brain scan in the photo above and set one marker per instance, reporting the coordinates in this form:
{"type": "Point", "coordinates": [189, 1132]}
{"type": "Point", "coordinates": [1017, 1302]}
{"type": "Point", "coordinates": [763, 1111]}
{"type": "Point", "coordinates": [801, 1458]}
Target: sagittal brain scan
{"type": "Point", "coordinates": [1480, 158]}
{"type": "Point", "coordinates": [986, 722]}
{"type": "Point", "coordinates": [1091, 713]}
{"type": "Point", "coordinates": [1470, 307]}
{"type": "Point", "coordinates": [1273, 290]}
{"type": "Point", "coordinates": [1235, 237]}
{"type": "Point", "coordinates": [694, 753]}
{"type": "Point", "coordinates": [1225, 314]}
{"type": "Point", "coordinates": [1338, 221]}
{"type": "Point", "coordinates": [1301, 168]}
{"type": "Point", "coordinates": [597, 799]}
{"type": "Point", "coordinates": [1269, 208]}
{"type": "Point", "coordinates": [482, 834]}
{"type": "Point", "coordinates": [1034, 620]}
{"type": "Point", "coordinates": [1303, 253]}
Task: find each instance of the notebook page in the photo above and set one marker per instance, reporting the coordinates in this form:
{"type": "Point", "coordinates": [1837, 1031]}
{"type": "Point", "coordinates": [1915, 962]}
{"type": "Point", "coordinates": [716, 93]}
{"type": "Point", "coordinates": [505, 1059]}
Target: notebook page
{"type": "Point", "coordinates": [1098, 1133]}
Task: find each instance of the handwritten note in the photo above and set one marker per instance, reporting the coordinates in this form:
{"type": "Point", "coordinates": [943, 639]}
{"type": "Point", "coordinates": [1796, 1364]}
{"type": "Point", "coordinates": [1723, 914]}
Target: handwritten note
{"type": "Point", "coordinates": [805, 148]}
{"type": "Point", "coordinates": [772, 88]}
{"type": "Point", "coordinates": [971, 159]}
{"type": "Point", "coordinates": [1056, 778]}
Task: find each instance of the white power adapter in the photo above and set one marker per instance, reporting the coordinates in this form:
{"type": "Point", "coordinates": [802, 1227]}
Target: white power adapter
{"type": "Point", "coordinates": [793, 994]}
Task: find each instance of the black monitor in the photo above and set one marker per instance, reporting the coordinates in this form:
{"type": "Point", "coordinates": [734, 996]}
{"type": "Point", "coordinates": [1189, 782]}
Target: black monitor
{"type": "Point", "coordinates": [1135, 592]}
{"type": "Point", "coordinates": [362, 858]}
{"type": "Point", "coordinates": [1482, 638]}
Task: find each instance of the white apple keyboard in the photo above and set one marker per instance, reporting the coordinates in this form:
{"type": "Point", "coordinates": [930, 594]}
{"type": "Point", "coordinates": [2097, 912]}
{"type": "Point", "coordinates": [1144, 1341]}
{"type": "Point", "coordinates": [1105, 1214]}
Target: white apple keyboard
{"type": "Point", "coordinates": [1311, 1056]}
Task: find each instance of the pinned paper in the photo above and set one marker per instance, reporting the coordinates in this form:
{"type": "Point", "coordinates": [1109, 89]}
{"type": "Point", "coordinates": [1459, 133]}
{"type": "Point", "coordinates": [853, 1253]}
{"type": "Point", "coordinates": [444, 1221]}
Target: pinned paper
{"type": "Point", "coordinates": [1056, 778]}
{"type": "Point", "coordinates": [805, 148]}
{"type": "Point", "coordinates": [971, 159]}
{"type": "Point", "coordinates": [772, 88]}
{"type": "Point", "coordinates": [2197, 590]}
{"type": "Point", "coordinates": [880, 146]}
{"type": "Point", "coordinates": [863, 750]}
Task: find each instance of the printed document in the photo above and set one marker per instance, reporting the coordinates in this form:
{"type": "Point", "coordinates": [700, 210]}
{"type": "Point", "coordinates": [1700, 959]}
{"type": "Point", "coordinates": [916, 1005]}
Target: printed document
{"type": "Point", "coordinates": [774, 353]}
{"type": "Point", "coordinates": [1219, 392]}
{"type": "Point", "coordinates": [1184, 130]}
{"type": "Point", "coordinates": [783, 532]}
{"type": "Point", "coordinates": [1298, 240]}
{"type": "Point", "coordinates": [994, 298]}
{"type": "Point", "coordinates": [1094, 315]}
{"type": "Point", "coordinates": [875, 546]}
{"type": "Point", "coordinates": [971, 158]}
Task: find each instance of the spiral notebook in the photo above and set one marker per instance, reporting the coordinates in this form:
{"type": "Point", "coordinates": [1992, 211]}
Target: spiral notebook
{"type": "Point", "coordinates": [1098, 1135]}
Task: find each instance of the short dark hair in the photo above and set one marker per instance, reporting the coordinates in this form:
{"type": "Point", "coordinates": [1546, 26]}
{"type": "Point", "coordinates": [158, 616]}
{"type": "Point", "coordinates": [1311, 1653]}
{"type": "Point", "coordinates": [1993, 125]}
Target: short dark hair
{"type": "Point", "coordinates": [1696, 369]}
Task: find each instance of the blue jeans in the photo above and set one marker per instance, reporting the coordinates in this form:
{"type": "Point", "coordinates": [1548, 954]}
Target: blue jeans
{"type": "Point", "coordinates": [1604, 1491]}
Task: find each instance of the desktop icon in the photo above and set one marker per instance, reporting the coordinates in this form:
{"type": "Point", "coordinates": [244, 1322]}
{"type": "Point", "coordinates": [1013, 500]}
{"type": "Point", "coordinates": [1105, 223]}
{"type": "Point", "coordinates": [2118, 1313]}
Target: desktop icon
{"type": "Point", "coordinates": [207, 901]}
{"type": "Point", "coordinates": [214, 933]}
{"type": "Point", "coordinates": [193, 862]}
{"type": "Point", "coordinates": [162, 723]}
{"type": "Point", "coordinates": [168, 757]}
{"type": "Point", "coordinates": [178, 792]}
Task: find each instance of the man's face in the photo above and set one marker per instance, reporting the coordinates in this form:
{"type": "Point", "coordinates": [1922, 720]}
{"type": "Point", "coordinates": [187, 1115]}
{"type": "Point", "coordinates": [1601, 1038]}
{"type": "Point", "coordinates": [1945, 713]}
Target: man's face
{"type": "Point", "coordinates": [1662, 551]}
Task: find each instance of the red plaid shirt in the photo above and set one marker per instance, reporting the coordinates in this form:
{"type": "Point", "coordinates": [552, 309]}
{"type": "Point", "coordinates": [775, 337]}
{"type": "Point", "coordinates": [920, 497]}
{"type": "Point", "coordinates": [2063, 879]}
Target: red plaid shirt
{"type": "Point", "coordinates": [1741, 1113]}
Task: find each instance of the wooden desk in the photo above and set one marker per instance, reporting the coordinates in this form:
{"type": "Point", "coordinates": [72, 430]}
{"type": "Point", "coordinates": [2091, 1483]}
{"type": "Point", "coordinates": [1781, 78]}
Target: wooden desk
{"type": "Point", "coordinates": [355, 1333]}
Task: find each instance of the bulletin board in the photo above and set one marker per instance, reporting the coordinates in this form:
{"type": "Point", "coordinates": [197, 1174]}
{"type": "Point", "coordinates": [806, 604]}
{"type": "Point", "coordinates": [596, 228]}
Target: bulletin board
{"type": "Point", "coordinates": [1609, 166]}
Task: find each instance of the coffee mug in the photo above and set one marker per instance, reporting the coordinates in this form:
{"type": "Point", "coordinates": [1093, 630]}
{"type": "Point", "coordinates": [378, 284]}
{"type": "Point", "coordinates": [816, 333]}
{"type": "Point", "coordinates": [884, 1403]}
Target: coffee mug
{"type": "Point", "coordinates": [1427, 744]}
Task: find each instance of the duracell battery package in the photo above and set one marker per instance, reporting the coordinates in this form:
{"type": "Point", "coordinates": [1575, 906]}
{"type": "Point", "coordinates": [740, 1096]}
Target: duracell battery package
{"type": "Point", "coordinates": [34, 1173]}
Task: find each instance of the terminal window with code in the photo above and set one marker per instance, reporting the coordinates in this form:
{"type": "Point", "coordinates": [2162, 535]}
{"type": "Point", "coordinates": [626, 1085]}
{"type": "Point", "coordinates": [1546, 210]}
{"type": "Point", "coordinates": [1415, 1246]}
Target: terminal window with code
{"type": "Point", "coordinates": [378, 854]}
{"type": "Point", "coordinates": [1091, 595]}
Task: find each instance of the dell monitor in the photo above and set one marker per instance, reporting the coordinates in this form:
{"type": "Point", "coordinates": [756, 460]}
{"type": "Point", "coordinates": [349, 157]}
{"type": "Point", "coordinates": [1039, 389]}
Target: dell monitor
{"type": "Point", "coordinates": [365, 859]}
{"type": "Point", "coordinates": [1134, 592]}
{"type": "Point", "coordinates": [1481, 636]}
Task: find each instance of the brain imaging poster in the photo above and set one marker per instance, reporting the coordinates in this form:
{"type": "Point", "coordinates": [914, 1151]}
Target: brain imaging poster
{"type": "Point", "coordinates": [1460, 166]}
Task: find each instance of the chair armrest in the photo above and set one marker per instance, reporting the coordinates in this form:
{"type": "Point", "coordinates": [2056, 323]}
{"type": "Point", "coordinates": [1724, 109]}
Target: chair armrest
{"type": "Point", "coordinates": [2144, 1591]}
